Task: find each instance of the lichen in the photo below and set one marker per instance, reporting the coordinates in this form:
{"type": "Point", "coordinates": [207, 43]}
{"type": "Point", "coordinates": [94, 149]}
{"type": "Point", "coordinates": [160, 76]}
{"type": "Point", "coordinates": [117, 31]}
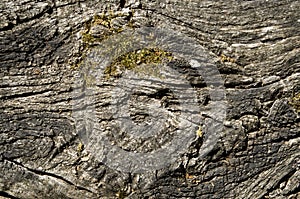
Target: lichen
{"type": "Point", "coordinates": [225, 58]}
{"type": "Point", "coordinates": [199, 132]}
{"type": "Point", "coordinates": [295, 102]}
{"type": "Point", "coordinates": [88, 39]}
{"type": "Point", "coordinates": [80, 147]}
{"type": "Point", "coordinates": [130, 61]}
{"type": "Point", "coordinates": [121, 194]}
{"type": "Point", "coordinates": [104, 20]}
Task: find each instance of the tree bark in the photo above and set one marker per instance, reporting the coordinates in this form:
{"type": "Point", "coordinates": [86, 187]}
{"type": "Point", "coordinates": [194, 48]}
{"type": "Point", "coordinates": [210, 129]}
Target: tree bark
{"type": "Point", "coordinates": [49, 50]}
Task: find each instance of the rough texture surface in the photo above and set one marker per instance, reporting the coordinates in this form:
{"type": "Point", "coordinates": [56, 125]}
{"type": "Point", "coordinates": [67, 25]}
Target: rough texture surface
{"type": "Point", "coordinates": [254, 44]}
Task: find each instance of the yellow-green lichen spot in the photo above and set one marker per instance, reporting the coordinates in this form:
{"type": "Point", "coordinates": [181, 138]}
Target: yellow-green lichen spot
{"type": "Point", "coordinates": [80, 147]}
{"type": "Point", "coordinates": [88, 39]}
{"type": "Point", "coordinates": [130, 61]}
{"type": "Point", "coordinates": [295, 102]}
{"type": "Point", "coordinates": [199, 132]}
{"type": "Point", "coordinates": [225, 58]}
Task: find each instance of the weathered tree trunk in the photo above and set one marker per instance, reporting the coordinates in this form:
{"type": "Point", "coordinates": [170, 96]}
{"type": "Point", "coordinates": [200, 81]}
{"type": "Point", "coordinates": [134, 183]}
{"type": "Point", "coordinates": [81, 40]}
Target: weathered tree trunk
{"type": "Point", "coordinates": [49, 55]}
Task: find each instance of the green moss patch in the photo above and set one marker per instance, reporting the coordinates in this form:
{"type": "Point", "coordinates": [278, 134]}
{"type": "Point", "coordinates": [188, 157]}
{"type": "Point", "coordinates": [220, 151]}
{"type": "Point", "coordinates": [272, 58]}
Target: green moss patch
{"type": "Point", "coordinates": [89, 40]}
{"type": "Point", "coordinates": [130, 61]}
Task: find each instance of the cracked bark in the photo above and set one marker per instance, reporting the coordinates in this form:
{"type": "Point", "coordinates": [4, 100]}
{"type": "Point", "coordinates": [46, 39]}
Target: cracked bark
{"type": "Point", "coordinates": [255, 45]}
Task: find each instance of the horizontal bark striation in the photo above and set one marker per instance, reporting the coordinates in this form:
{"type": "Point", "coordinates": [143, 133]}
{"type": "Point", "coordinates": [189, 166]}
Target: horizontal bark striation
{"type": "Point", "coordinates": [254, 44]}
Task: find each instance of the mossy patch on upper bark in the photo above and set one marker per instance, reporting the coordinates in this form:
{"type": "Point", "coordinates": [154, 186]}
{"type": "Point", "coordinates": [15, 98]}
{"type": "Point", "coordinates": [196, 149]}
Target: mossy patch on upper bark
{"type": "Point", "coordinates": [130, 61]}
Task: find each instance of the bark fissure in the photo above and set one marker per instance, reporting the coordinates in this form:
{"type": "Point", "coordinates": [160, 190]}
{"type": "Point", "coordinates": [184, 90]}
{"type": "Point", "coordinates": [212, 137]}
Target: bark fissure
{"type": "Point", "coordinates": [45, 46]}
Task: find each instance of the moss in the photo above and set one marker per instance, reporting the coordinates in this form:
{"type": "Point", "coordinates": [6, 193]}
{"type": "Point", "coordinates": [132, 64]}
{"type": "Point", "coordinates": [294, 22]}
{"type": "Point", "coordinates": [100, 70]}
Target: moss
{"type": "Point", "coordinates": [295, 102]}
{"type": "Point", "coordinates": [131, 60]}
{"type": "Point", "coordinates": [88, 40]}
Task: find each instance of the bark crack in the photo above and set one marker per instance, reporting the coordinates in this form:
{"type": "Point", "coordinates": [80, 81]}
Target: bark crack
{"type": "Point", "coordinates": [7, 195]}
{"type": "Point", "coordinates": [40, 172]}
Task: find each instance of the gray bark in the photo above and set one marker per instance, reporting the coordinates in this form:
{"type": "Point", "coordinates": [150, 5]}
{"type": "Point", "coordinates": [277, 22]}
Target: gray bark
{"type": "Point", "coordinates": [47, 54]}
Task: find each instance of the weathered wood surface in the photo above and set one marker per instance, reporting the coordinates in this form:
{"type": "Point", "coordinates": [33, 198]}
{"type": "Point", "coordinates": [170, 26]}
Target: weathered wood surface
{"type": "Point", "coordinates": [255, 46]}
